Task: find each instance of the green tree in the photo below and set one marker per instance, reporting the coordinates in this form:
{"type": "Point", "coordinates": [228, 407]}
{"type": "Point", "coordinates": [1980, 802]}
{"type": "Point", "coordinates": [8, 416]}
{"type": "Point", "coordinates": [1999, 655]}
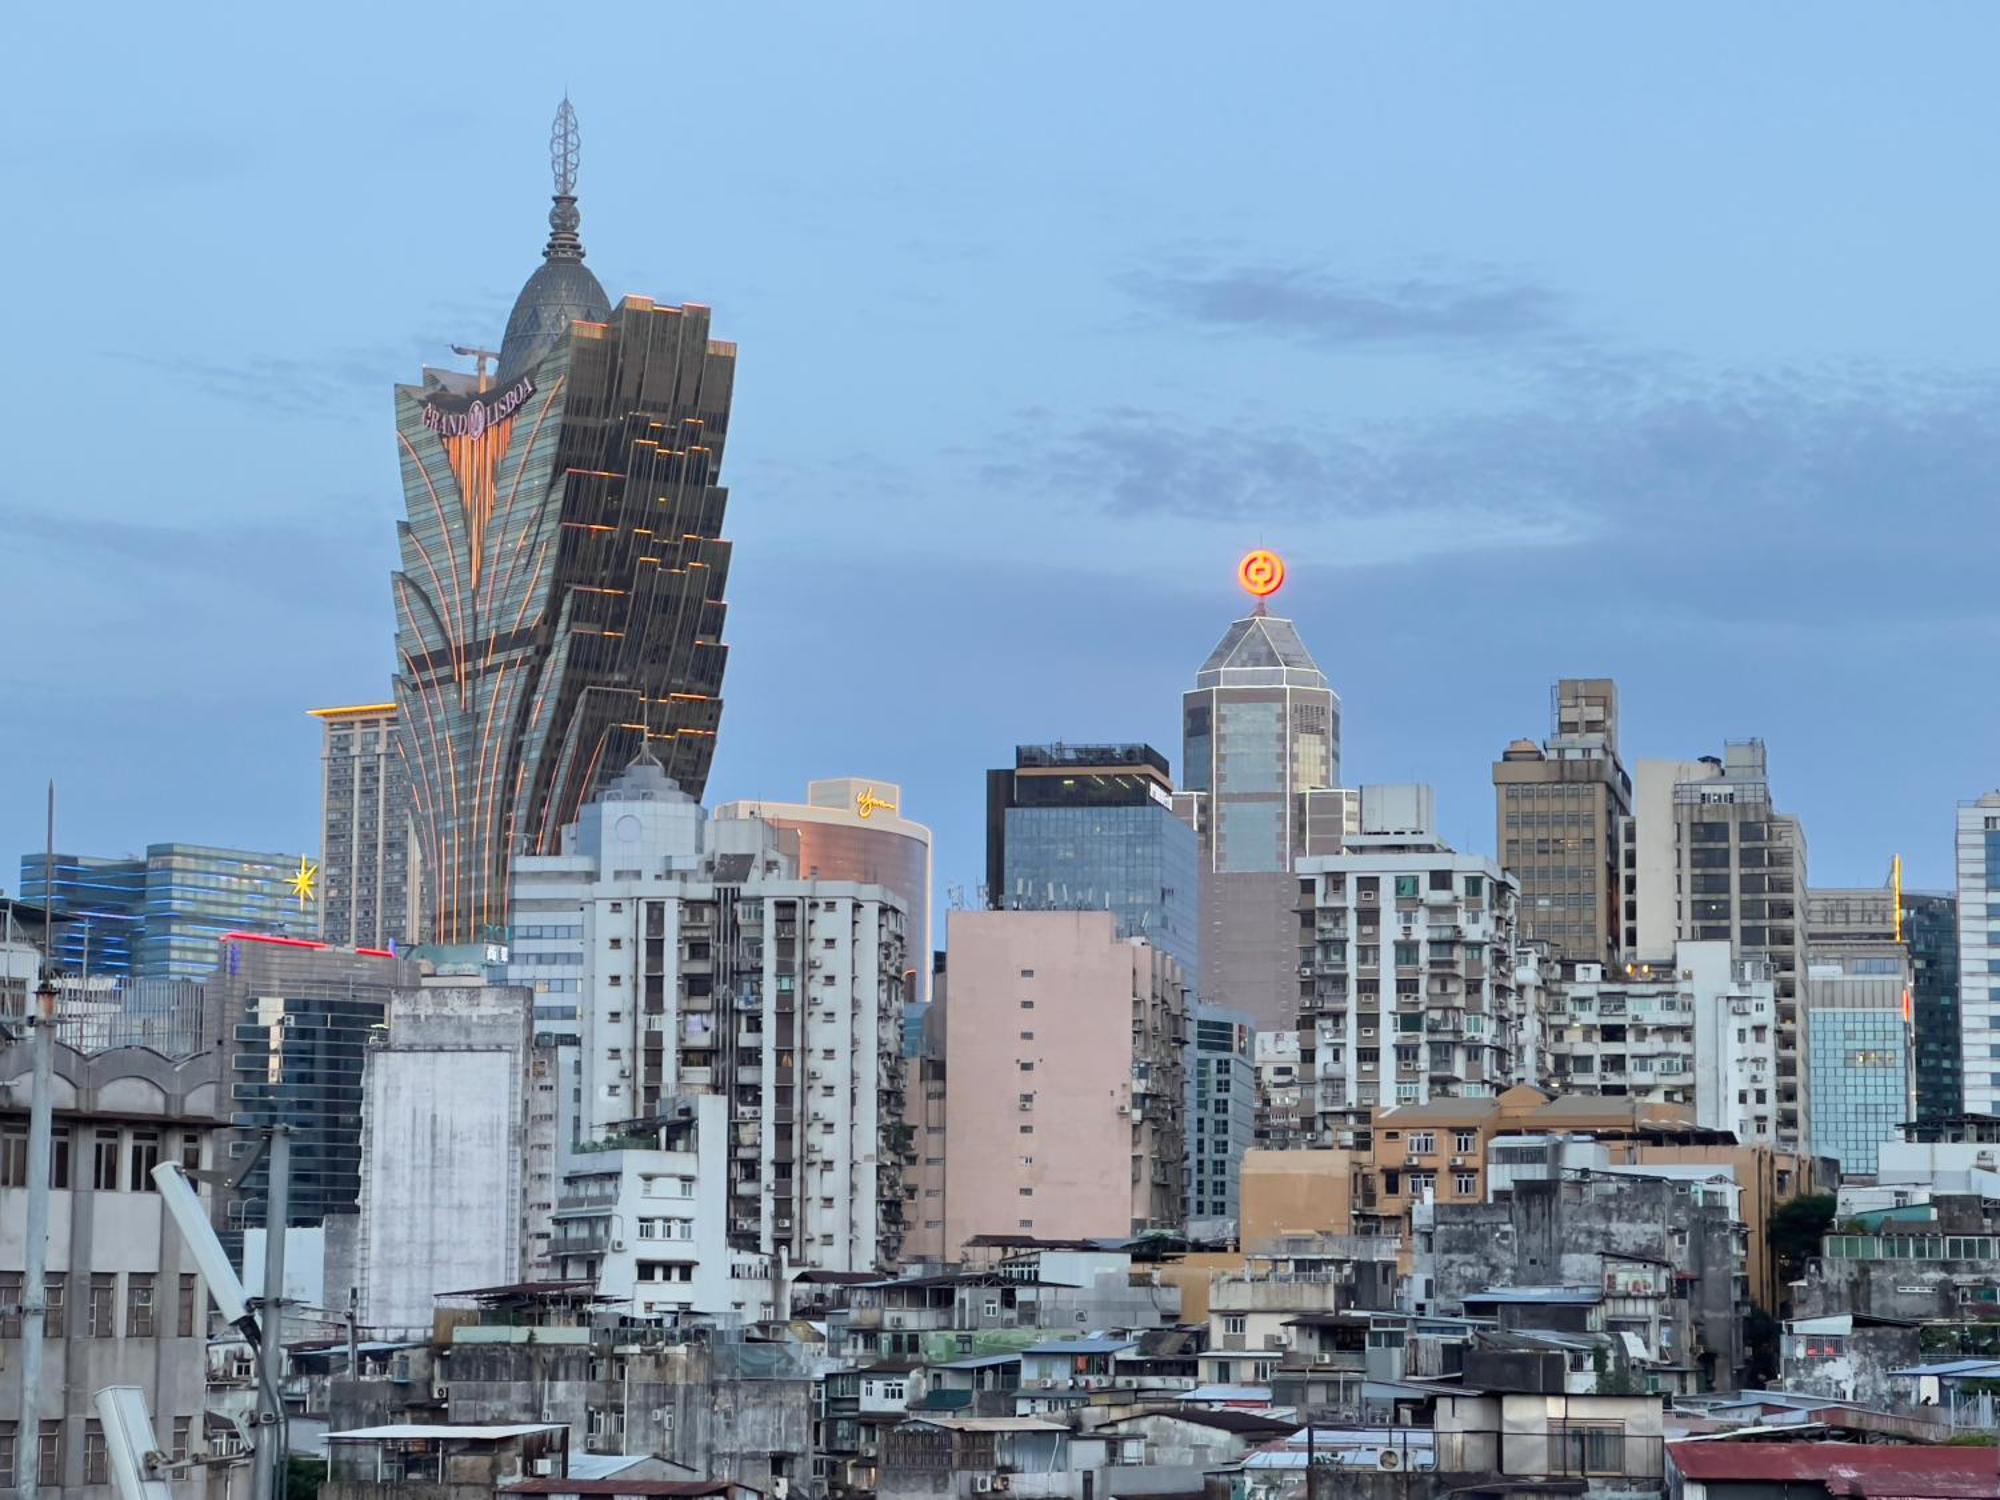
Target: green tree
{"type": "Point", "coordinates": [303, 1477]}
{"type": "Point", "coordinates": [1793, 1234]}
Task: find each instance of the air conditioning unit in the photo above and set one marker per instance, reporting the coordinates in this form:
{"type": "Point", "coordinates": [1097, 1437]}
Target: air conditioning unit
{"type": "Point", "coordinates": [662, 1415]}
{"type": "Point", "coordinates": [548, 1415]}
{"type": "Point", "coordinates": [543, 1468]}
{"type": "Point", "coordinates": [1388, 1458]}
{"type": "Point", "coordinates": [982, 1484]}
{"type": "Point", "coordinates": [617, 1246]}
{"type": "Point", "coordinates": [440, 1393]}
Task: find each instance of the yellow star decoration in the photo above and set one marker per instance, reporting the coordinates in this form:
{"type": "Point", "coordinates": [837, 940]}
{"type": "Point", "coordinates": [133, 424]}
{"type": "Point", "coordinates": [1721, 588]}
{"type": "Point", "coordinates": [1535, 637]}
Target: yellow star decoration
{"type": "Point", "coordinates": [305, 881]}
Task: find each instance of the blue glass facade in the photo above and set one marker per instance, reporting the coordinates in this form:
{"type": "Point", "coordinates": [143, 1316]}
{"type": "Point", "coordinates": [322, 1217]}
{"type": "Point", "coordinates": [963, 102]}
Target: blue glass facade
{"type": "Point", "coordinates": [159, 917]}
{"type": "Point", "coordinates": [1092, 828]}
{"type": "Point", "coordinates": [1141, 864]}
{"type": "Point", "coordinates": [1859, 1071]}
{"type": "Point", "coordinates": [98, 908]}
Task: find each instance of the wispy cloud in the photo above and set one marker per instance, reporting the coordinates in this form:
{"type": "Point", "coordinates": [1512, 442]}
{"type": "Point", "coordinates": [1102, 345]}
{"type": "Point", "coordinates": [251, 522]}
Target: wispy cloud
{"type": "Point", "coordinates": [1313, 306]}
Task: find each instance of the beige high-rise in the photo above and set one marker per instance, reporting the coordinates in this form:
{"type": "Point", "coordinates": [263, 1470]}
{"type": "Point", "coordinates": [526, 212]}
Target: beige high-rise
{"type": "Point", "coordinates": [1560, 807]}
{"type": "Point", "coordinates": [1064, 1079]}
{"type": "Point", "coordinates": [1740, 875]}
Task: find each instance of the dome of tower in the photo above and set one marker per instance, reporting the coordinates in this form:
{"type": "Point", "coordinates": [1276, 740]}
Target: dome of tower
{"type": "Point", "coordinates": [561, 292]}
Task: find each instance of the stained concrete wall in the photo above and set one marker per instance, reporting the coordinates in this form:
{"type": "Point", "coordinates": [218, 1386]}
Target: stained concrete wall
{"type": "Point", "coordinates": [444, 1138]}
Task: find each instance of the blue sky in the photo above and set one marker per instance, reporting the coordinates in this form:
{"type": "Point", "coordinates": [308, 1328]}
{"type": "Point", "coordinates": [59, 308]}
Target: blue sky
{"type": "Point", "coordinates": [1563, 339]}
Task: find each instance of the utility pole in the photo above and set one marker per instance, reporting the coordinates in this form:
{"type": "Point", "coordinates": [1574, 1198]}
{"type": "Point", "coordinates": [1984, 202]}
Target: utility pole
{"type": "Point", "coordinates": [272, 1457]}
{"type": "Point", "coordinates": [41, 1129]}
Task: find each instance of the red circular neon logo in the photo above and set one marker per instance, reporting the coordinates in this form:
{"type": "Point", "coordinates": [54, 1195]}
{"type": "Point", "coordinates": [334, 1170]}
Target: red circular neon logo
{"type": "Point", "coordinates": [1261, 573]}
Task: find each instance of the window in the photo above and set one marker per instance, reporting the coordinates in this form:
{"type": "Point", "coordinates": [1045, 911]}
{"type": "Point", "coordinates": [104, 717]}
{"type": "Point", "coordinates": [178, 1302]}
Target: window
{"type": "Point", "coordinates": [96, 1459]}
{"type": "Point", "coordinates": [191, 1151]}
{"type": "Point", "coordinates": [13, 1158]}
{"type": "Point", "coordinates": [10, 1442]}
{"type": "Point", "coordinates": [1466, 1183]}
{"type": "Point", "coordinates": [145, 1157]}
{"type": "Point", "coordinates": [189, 1301]}
{"type": "Point", "coordinates": [103, 1289]}
{"type": "Point", "coordinates": [49, 1457]}
{"type": "Point", "coordinates": [183, 1430]}
{"type": "Point", "coordinates": [104, 1160]}
{"type": "Point", "coordinates": [59, 1158]}
{"type": "Point", "coordinates": [10, 1304]}
{"type": "Point", "coordinates": [1406, 887]}
{"type": "Point", "coordinates": [53, 1325]}
{"type": "Point", "coordinates": [1587, 1450]}
{"type": "Point", "coordinates": [1233, 1323]}
{"type": "Point", "coordinates": [139, 1305]}
{"type": "Point", "coordinates": [1422, 1143]}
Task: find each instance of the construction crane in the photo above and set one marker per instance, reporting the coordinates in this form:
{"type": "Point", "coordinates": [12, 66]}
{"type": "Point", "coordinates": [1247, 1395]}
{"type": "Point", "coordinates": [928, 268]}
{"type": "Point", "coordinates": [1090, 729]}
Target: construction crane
{"type": "Point", "coordinates": [480, 357]}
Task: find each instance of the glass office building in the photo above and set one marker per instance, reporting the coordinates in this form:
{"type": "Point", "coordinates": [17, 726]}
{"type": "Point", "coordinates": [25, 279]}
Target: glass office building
{"type": "Point", "coordinates": [1930, 928]}
{"type": "Point", "coordinates": [297, 1019]}
{"type": "Point", "coordinates": [97, 909]}
{"type": "Point", "coordinates": [1860, 1076]}
{"type": "Point", "coordinates": [1092, 828]}
{"type": "Point", "coordinates": [559, 600]}
{"type": "Point", "coordinates": [161, 916]}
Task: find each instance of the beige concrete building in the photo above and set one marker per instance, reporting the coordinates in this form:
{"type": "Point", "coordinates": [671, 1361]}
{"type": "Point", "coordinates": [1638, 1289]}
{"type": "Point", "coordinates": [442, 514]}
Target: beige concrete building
{"type": "Point", "coordinates": [1292, 1193]}
{"type": "Point", "coordinates": [1740, 875]}
{"type": "Point", "coordinates": [1560, 808]}
{"type": "Point", "coordinates": [1065, 1079]}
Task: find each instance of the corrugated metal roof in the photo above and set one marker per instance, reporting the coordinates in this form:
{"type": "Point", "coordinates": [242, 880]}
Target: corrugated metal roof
{"type": "Point", "coordinates": [1556, 1295]}
{"type": "Point", "coordinates": [403, 1430]}
{"type": "Point", "coordinates": [1880, 1471]}
{"type": "Point", "coordinates": [1981, 1368]}
{"type": "Point", "coordinates": [1081, 1346]}
{"type": "Point", "coordinates": [991, 1424]}
{"type": "Point", "coordinates": [690, 1488]}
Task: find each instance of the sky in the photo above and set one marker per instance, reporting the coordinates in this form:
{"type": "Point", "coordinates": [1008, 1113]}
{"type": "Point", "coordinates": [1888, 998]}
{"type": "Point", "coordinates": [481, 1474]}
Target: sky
{"type": "Point", "coordinates": [1565, 339]}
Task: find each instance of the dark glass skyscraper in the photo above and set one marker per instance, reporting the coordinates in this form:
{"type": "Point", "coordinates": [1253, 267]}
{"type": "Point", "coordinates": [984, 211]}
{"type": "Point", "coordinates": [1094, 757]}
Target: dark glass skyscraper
{"type": "Point", "coordinates": [560, 599]}
{"type": "Point", "coordinates": [1092, 828]}
{"type": "Point", "coordinates": [1930, 929]}
{"type": "Point", "coordinates": [296, 1022]}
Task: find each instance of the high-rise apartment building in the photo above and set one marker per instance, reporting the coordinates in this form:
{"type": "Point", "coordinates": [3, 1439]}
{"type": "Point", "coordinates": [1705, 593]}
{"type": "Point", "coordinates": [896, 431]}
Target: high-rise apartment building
{"type": "Point", "coordinates": [1699, 1028]}
{"type": "Point", "coordinates": [297, 1021]}
{"type": "Point", "coordinates": [1978, 856]}
{"type": "Point", "coordinates": [1260, 759]}
{"type": "Point", "coordinates": [1930, 928]}
{"type": "Point", "coordinates": [1740, 877]}
{"type": "Point", "coordinates": [559, 603]}
{"type": "Point", "coordinates": [1064, 1073]}
{"type": "Point", "coordinates": [162, 915]}
{"type": "Point", "coordinates": [1221, 1118]}
{"type": "Point", "coordinates": [366, 893]}
{"type": "Point", "coordinates": [1412, 982]}
{"type": "Point", "coordinates": [1561, 808]}
{"type": "Point", "coordinates": [703, 963]}
{"type": "Point", "coordinates": [1859, 1009]}
{"type": "Point", "coordinates": [1093, 828]}
{"type": "Point", "coordinates": [1651, 864]}
{"type": "Point", "coordinates": [850, 828]}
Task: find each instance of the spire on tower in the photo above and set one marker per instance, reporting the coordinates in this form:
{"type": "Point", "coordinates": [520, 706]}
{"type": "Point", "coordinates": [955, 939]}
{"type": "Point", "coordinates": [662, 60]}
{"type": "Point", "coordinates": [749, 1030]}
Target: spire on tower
{"type": "Point", "coordinates": [564, 220]}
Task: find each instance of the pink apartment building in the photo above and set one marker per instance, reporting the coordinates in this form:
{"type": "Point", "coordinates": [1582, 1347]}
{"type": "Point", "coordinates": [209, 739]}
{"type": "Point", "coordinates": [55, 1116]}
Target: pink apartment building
{"type": "Point", "coordinates": [1064, 1077]}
